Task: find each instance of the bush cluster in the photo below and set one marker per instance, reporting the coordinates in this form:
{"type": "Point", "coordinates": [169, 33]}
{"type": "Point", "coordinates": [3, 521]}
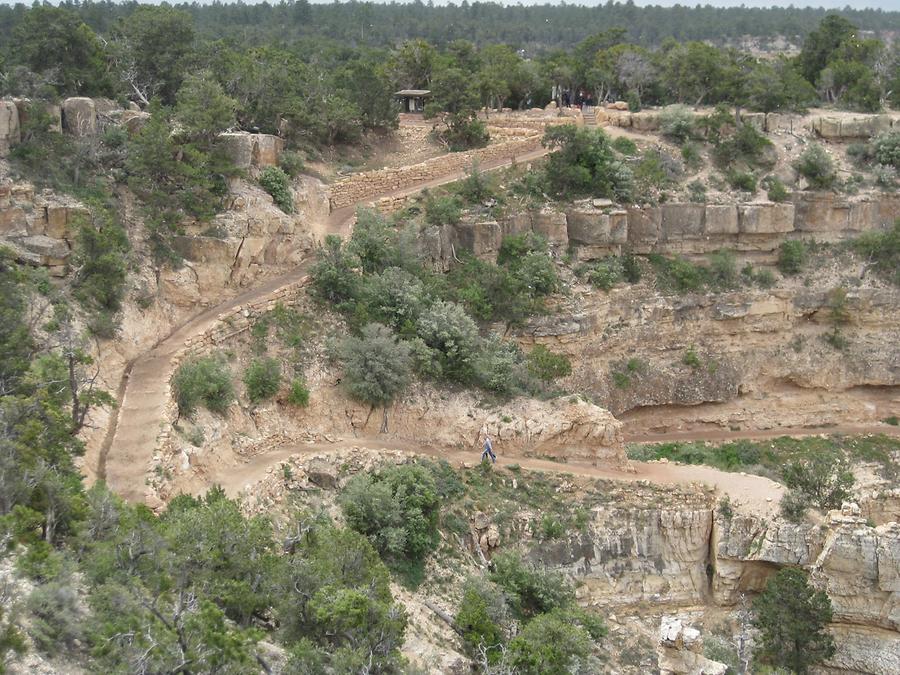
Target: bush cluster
{"type": "Point", "coordinates": [262, 379]}
{"type": "Point", "coordinates": [277, 183]}
{"type": "Point", "coordinates": [397, 509]}
{"type": "Point", "coordinates": [525, 620]}
{"type": "Point", "coordinates": [425, 321]}
{"type": "Point", "coordinates": [204, 381]}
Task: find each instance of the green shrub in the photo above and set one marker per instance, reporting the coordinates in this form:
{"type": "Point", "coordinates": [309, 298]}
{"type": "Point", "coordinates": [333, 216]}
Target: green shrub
{"type": "Point", "coordinates": [482, 618]}
{"type": "Point", "coordinates": [377, 366]}
{"type": "Point", "coordinates": [57, 622]}
{"type": "Point", "coordinates": [277, 183]}
{"type": "Point", "coordinates": [817, 167]}
{"type": "Point", "coordinates": [205, 381]}
{"type": "Point", "coordinates": [697, 191]}
{"type": "Point", "coordinates": [882, 249]}
{"type": "Point", "coordinates": [292, 163]}
{"type": "Point", "coordinates": [551, 643]}
{"type": "Point", "coordinates": [445, 210]}
{"type": "Point", "coordinates": [262, 379]}
{"type": "Point", "coordinates": [546, 365]}
{"type": "Point", "coordinates": [791, 617]}
{"type": "Point", "coordinates": [723, 268]}
{"type": "Point", "coordinates": [656, 169]}
{"type": "Point", "coordinates": [690, 155]}
{"type": "Point", "coordinates": [551, 527]}
{"type": "Point", "coordinates": [631, 270]}
{"type": "Point", "coordinates": [745, 145]}
{"type": "Point", "coordinates": [824, 479]}
{"type": "Point", "coordinates": [500, 367]}
{"type": "Point", "coordinates": [605, 274]}
{"type": "Point", "coordinates": [621, 380]}
{"type": "Point", "coordinates": [742, 180]}
{"type": "Point", "coordinates": [792, 257]}
{"type": "Point", "coordinates": [775, 189]}
{"type": "Point", "coordinates": [530, 590]}
{"type": "Point", "coordinates": [683, 275]}
{"type": "Point", "coordinates": [886, 148]}
{"type": "Point", "coordinates": [397, 509]}
{"type": "Point", "coordinates": [677, 123]}
{"type": "Point", "coordinates": [861, 154]}
{"type": "Point", "coordinates": [584, 163]}
{"type": "Point", "coordinates": [625, 145]}
{"type": "Point", "coordinates": [691, 358]}
{"type": "Point", "coordinates": [298, 394]}
{"type": "Point", "coordinates": [794, 506]}
{"type": "Point", "coordinates": [477, 187]}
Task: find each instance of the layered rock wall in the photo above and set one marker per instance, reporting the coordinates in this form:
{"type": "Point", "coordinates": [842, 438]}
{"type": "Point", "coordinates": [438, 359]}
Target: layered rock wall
{"type": "Point", "coordinates": [39, 229]}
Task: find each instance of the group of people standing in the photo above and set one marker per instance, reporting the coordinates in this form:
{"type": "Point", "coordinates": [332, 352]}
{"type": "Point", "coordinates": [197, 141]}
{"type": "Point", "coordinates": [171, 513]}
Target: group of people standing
{"type": "Point", "coordinates": [580, 98]}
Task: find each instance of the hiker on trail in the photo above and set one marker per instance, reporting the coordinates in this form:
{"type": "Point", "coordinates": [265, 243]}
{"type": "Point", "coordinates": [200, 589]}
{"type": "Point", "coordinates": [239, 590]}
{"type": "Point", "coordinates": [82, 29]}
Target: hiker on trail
{"type": "Point", "coordinates": [488, 450]}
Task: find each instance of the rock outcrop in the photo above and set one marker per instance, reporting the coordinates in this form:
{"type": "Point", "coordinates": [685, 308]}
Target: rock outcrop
{"type": "Point", "coordinates": [680, 650]}
{"type": "Point", "coordinates": [10, 133]}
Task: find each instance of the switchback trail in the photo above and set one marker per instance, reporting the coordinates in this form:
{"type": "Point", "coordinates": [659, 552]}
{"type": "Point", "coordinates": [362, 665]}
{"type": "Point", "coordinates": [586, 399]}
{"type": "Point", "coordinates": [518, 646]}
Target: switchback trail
{"type": "Point", "coordinates": [135, 423]}
{"type": "Point", "coordinates": [757, 493]}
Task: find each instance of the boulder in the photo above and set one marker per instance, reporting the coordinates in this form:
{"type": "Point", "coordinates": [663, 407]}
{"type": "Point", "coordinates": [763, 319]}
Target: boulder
{"type": "Point", "coordinates": [588, 226]}
{"type": "Point", "coordinates": [680, 650]}
{"type": "Point", "coordinates": [517, 223]}
{"type": "Point", "coordinates": [552, 225]}
{"type": "Point", "coordinates": [79, 116]}
{"type": "Point", "coordinates": [50, 252]}
{"type": "Point", "coordinates": [681, 221]}
{"type": "Point", "coordinates": [106, 106]}
{"type": "Point", "coordinates": [207, 249]}
{"type": "Point", "coordinates": [721, 219]}
{"type": "Point", "coordinates": [252, 150]}
{"type": "Point", "coordinates": [12, 221]}
{"type": "Point", "coordinates": [481, 238]}
{"type": "Point", "coordinates": [643, 225]}
{"type": "Point", "coordinates": [645, 120]}
{"type": "Point", "coordinates": [134, 120]}
{"type": "Point", "coordinates": [827, 127]}
{"type": "Point", "coordinates": [10, 133]}
{"type": "Point", "coordinates": [765, 218]}
{"type": "Point", "coordinates": [268, 150]}
{"type": "Point", "coordinates": [62, 220]}
{"type": "Point", "coordinates": [864, 126]}
{"type": "Point", "coordinates": [821, 212]}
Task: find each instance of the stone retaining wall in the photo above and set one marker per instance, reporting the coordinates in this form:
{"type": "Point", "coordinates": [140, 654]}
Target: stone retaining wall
{"type": "Point", "coordinates": [361, 186]}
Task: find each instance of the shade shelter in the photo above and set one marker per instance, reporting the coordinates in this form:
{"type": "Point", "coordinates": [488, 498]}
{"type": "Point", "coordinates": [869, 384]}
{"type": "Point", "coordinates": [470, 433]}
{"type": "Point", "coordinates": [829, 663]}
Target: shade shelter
{"type": "Point", "coordinates": [413, 100]}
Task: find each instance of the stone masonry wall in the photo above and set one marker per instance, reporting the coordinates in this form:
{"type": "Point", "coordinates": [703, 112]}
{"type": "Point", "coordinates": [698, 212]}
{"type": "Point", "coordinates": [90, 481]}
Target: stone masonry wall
{"type": "Point", "coordinates": [370, 183]}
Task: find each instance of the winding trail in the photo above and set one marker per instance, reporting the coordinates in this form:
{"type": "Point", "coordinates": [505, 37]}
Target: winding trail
{"type": "Point", "coordinates": [135, 423]}
{"type": "Point", "coordinates": [127, 449]}
{"type": "Point", "coordinates": [756, 493]}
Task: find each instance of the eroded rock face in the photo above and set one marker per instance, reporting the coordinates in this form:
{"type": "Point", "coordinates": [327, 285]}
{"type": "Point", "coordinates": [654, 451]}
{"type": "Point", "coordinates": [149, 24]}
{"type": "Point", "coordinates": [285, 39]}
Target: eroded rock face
{"type": "Point", "coordinates": [627, 555]}
{"type": "Point", "coordinates": [9, 126]}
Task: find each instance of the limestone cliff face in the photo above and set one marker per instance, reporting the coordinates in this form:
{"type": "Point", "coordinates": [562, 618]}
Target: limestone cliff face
{"type": "Point", "coordinates": [635, 551]}
{"type": "Point", "coordinates": [632, 555]}
{"type": "Point", "coordinates": [629, 349]}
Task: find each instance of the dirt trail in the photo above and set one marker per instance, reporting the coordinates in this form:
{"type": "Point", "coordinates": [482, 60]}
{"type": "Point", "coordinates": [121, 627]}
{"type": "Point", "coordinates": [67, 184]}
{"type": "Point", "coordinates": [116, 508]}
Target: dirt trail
{"type": "Point", "coordinates": [756, 493]}
{"type": "Point", "coordinates": [135, 424]}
